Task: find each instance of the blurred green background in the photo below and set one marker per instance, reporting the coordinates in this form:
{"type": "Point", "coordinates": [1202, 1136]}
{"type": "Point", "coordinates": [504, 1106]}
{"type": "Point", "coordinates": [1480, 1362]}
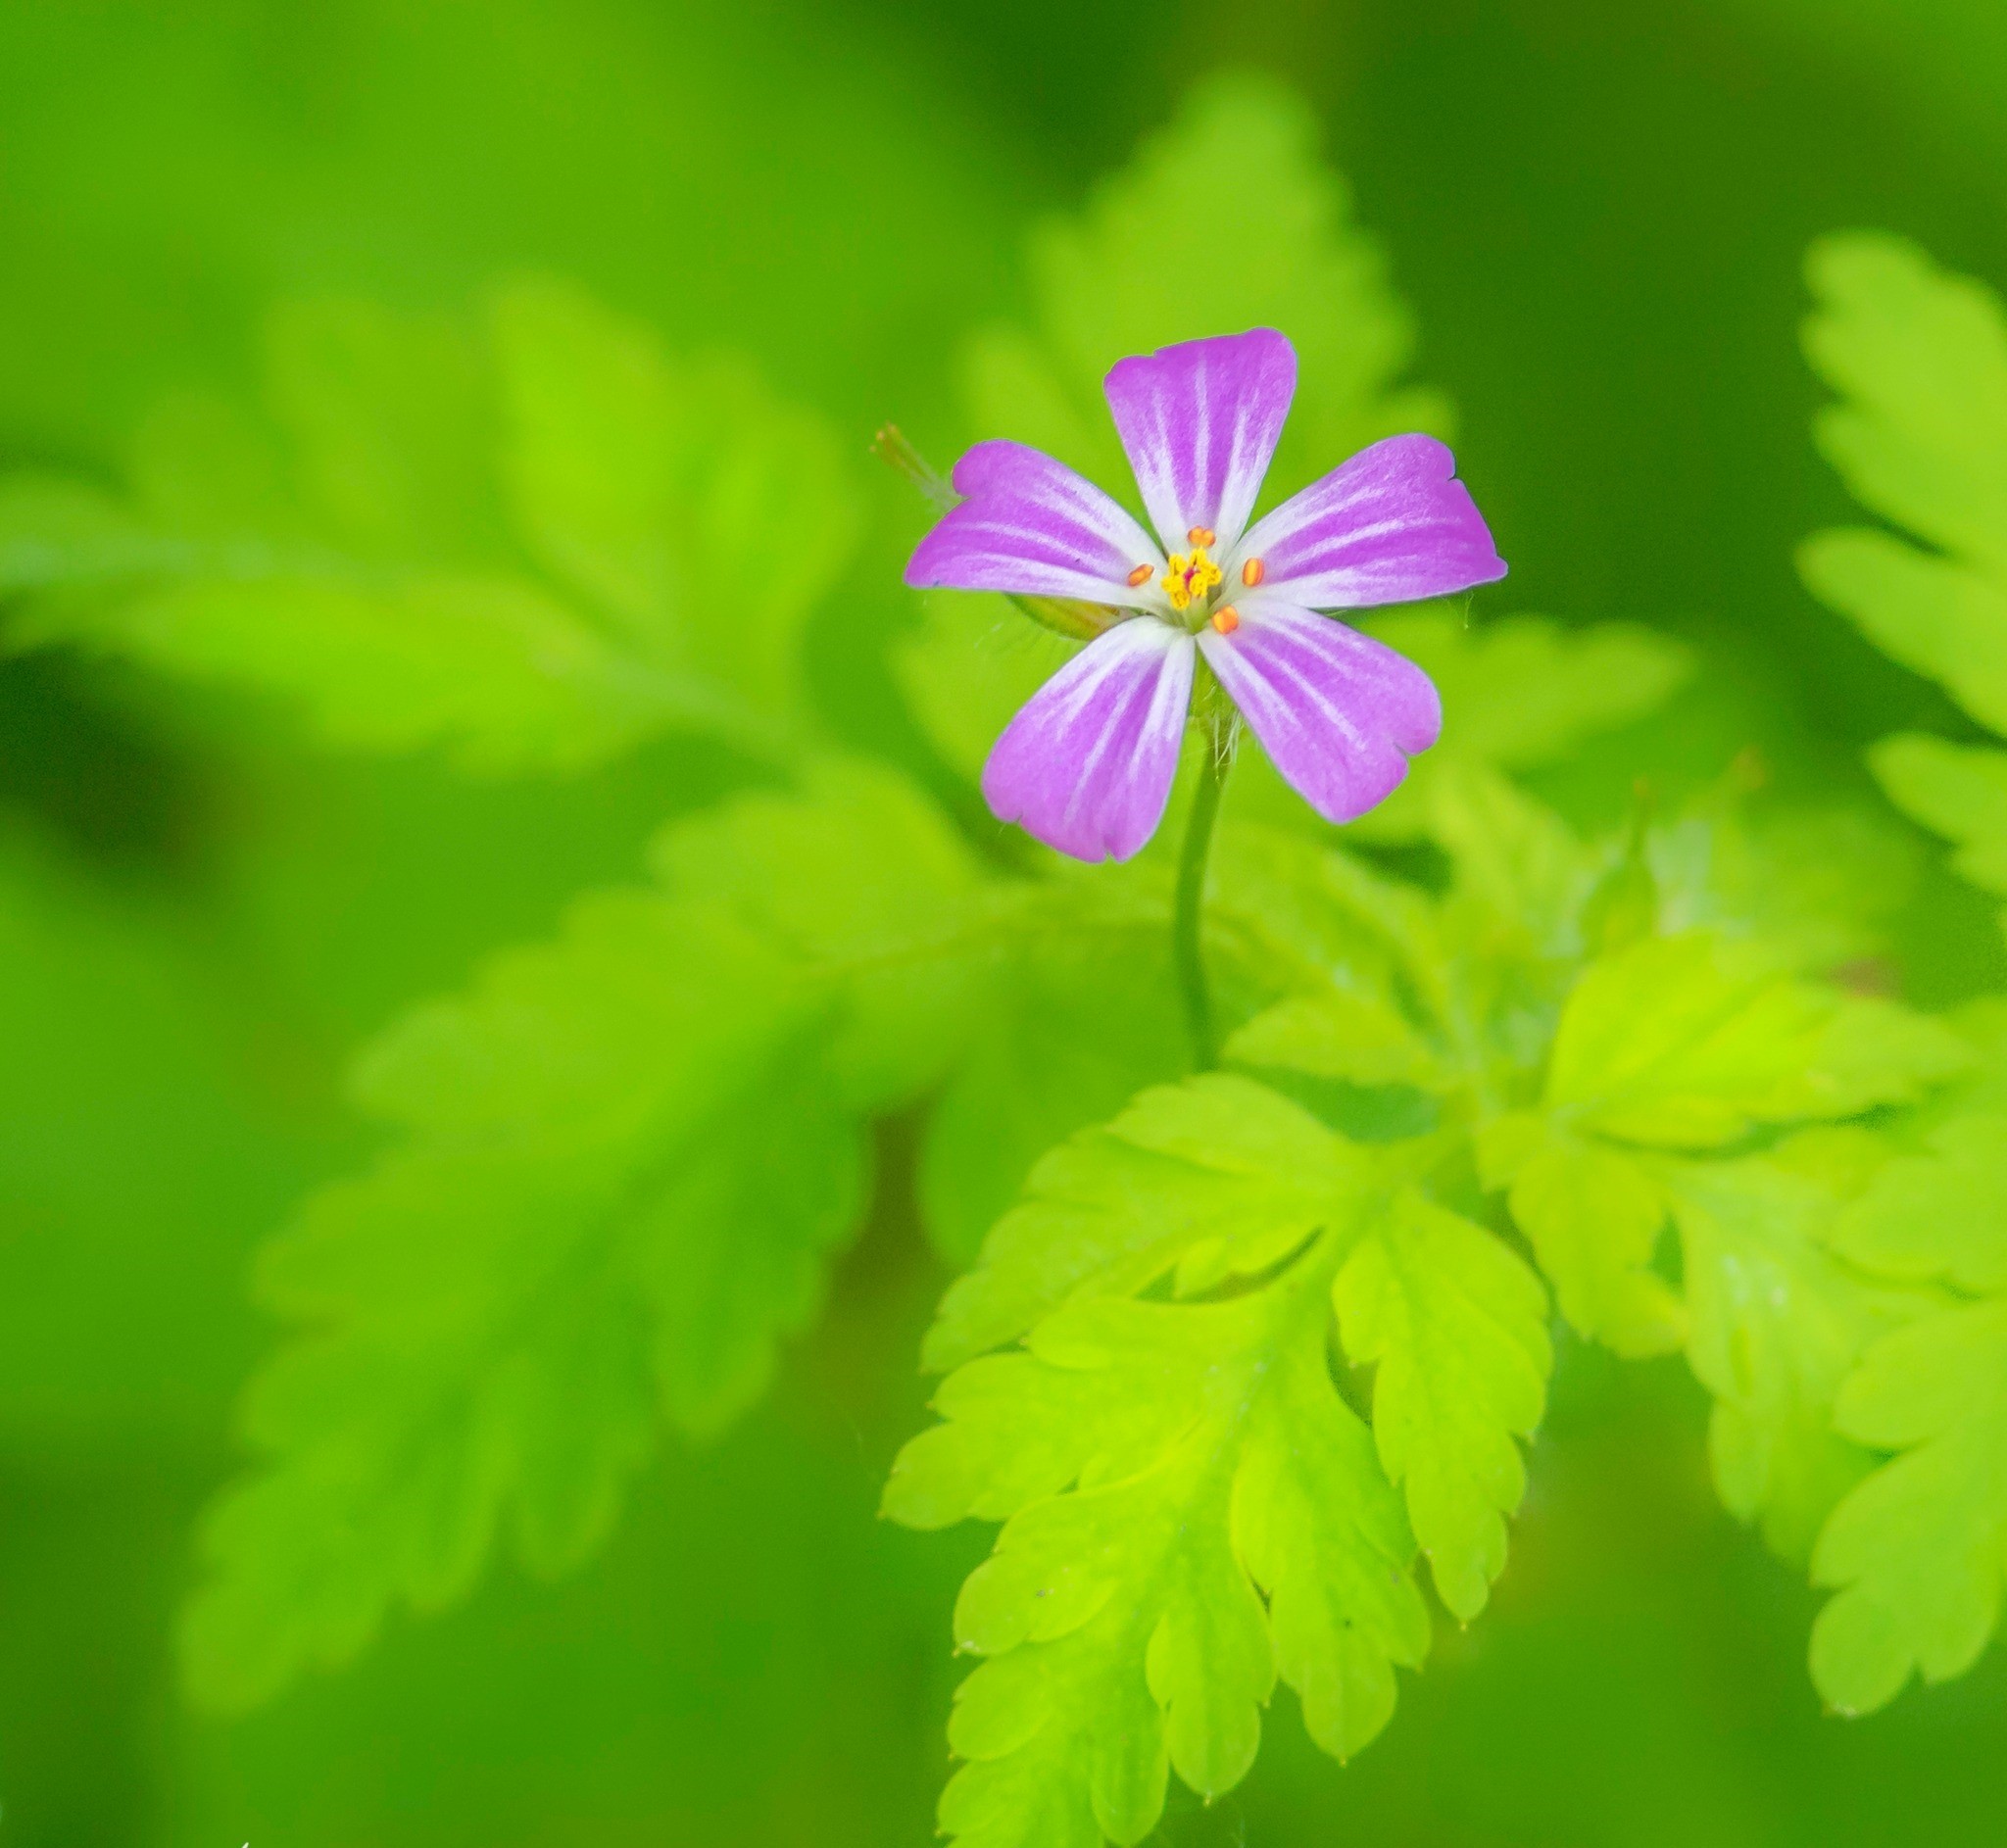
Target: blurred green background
{"type": "Point", "coordinates": [1598, 217]}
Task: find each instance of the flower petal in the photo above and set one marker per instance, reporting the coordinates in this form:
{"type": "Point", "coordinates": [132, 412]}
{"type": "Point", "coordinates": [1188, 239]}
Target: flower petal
{"type": "Point", "coordinates": [1030, 524]}
{"type": "Point", "coordinates": [1086, 766]}
{"type": "Point", "coordinates": [1199, 423]}
{"type": "Point", "coordinates": [1391, 526]}
{"type": "Point", "coordinates": [1338, 712]}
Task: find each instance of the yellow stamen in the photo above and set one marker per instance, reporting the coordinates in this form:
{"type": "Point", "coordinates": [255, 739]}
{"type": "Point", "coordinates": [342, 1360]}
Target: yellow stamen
{"type": "Point", "coordinates": [1226, 618]}
{"type": "Point", "coordinates": [1140, 576]}
{"type": "Point", "coordinates": [1201, 536]}
{"type": "Point", "coordinates": [1252, 573]}
{"type": "Point", "coordinates": [1190, 577]}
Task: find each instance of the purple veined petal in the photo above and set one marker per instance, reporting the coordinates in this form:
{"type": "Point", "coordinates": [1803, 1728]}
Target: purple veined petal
{"type": "Point", "coordinates": [1338, 712]}
{"type": "Point", "coordinates": [1391, 526]}
{"type": "Point", "coordinates": [1199, 423]}
{"type": "Point", "coordinates": [1086, 766]}
{"type": "Point", "coordinates": [1030, 524]}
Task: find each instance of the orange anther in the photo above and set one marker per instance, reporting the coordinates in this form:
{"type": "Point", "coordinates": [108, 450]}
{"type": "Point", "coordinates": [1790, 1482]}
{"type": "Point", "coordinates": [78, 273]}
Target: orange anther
{"type": "Point", "coordinates": [1252, 573]}
{"type": "Point", "coordinates": [1226, 618]}
{"type": "Point", "coordinates": [1140, 576]}
{"type": "Point", "coordinates": [1201, 536]}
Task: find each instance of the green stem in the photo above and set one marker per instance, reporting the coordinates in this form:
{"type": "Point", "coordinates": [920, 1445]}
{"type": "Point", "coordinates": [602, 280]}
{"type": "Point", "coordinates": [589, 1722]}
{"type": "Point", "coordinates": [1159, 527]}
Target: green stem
{"type": "Point", "coordinates": [1188, 957]}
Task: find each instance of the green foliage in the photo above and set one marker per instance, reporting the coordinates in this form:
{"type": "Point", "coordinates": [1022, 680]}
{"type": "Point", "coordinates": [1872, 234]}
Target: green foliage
{"type": "Point", "coordinates": [1958, 791]}
{"type": "Point", "coordinates": [1919, 359]}
{"type": "Point", "coordinates": [1112, 1357]}
{"type": "Point", "coordinates": [627, 1158]}
{"type": "Point", "coordinates": [1162, 1463]}
{"type": "Point", "coordinates": [1917, 1549]}
{"type": "Point", "coordinates": [1235, 1362]}
{"type": "Point", "coordinates": [534, 551]}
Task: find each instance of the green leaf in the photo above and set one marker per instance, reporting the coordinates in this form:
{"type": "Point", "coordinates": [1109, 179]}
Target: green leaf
{"type": "Point", "coordinates": [1919, 359]}
{"type": "Point", "coordinates": [1683, 1042]}
{"type": "Point", "coordinates": [1945, 622]}
{"type": "Point", "coordinates": [1168, 1447]}
{"type": "Point", "coordinates": [1957, 791]}
{"type": "Point", "coordinates": [1344, 1033]}
{"type": "Point", "coordinates": [1778, 1320]}
{"type": "Point", "coordinates": [1817, 887]}
{"type": "Point", "coordinates": [1232, 1177]}
{"type": "Point", "coordinates": [1918, 1551]}
{"type": "Point", "coordinates": [704, 517]}
{"type": "Point", "coordinates": [628, 1155]}
{"type": "Point", "coordinates": [369, 571]}
{"type": "Point", "coordinates": [1938, 1215]}
{"type": "Point", "coordinates": [1456, 1325]}
{"type": "Point", "coordinates": [492, 669]}
{"type": "Point", "coordinates": [1592, 1215]}
{"type": "Point", "coordinates": [57, 533]}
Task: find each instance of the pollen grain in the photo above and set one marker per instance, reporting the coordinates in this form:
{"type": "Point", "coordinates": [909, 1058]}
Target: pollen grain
{"type": "Point", "coordinates": [1226, 618]}
{"type": "Point", "coordinates": [1252, 573]}
{"type": "Point", "coordinates": [1201, 536]}
{"type": "Point", "coordinates": [1140, 576]}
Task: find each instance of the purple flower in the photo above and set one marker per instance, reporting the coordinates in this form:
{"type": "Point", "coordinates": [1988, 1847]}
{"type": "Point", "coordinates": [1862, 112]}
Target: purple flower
{"type": "Point", "coordinates": [1086, 766]}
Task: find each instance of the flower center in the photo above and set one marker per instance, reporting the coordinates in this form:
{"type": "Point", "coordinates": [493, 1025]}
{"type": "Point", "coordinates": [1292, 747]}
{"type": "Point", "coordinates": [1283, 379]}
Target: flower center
{"type": "Point", "coordinates": [1193, 575]}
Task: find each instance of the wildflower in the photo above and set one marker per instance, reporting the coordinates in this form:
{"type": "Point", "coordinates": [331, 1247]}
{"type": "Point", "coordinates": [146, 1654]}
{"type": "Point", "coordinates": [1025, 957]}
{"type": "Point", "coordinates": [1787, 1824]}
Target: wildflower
{"type": "Point", "coordinates": [1086, 766]}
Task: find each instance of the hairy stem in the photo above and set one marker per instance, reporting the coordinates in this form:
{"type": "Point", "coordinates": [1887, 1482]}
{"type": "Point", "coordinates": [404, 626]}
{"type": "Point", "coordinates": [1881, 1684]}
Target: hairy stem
{"type": "Point", "coordinates": [1188, 957]}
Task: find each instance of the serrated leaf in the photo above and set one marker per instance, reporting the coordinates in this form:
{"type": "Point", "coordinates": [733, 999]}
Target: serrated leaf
{"type": "Point", "coordinates": [1217, 1178]}
{"type": "Point", "coordinates": [1161, 1465]}
{"type": "Point", "coordinates": [628, 1155]}
{"type": "Point", "coordinates": [703, 516]}
{"type": "Point", "coordinates": [1340, 1033]}
{"type": "Point", "coordinates": [1594, 1215]}
{"type": "Point", "coordinates": [1938, 1215]}
{"type": "Point", "coordinates": [1957, 791]}
{"type": "Point", "coordinates": [369, 575]}
{"type": "Point", "coordinates": [1939, 619]}
{"type": "Point", "coordinates": [492, 669]}
{"type": "Point", "coordinates": [1680, 1042]}
{"type": "Point", "coordinates": [1777, 1322]}
{"type": "Point", "coordinates": [1921, 358]}
{"type": "Point", "coordinates": [1455, 1326]}
{"type": "Point", "coordinates": [1918, 1551]}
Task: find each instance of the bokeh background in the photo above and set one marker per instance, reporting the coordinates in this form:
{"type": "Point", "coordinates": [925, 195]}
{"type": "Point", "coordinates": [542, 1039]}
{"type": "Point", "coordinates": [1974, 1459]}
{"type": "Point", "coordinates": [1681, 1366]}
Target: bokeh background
{"type": "Point", "coordinates": [1598, 215]}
